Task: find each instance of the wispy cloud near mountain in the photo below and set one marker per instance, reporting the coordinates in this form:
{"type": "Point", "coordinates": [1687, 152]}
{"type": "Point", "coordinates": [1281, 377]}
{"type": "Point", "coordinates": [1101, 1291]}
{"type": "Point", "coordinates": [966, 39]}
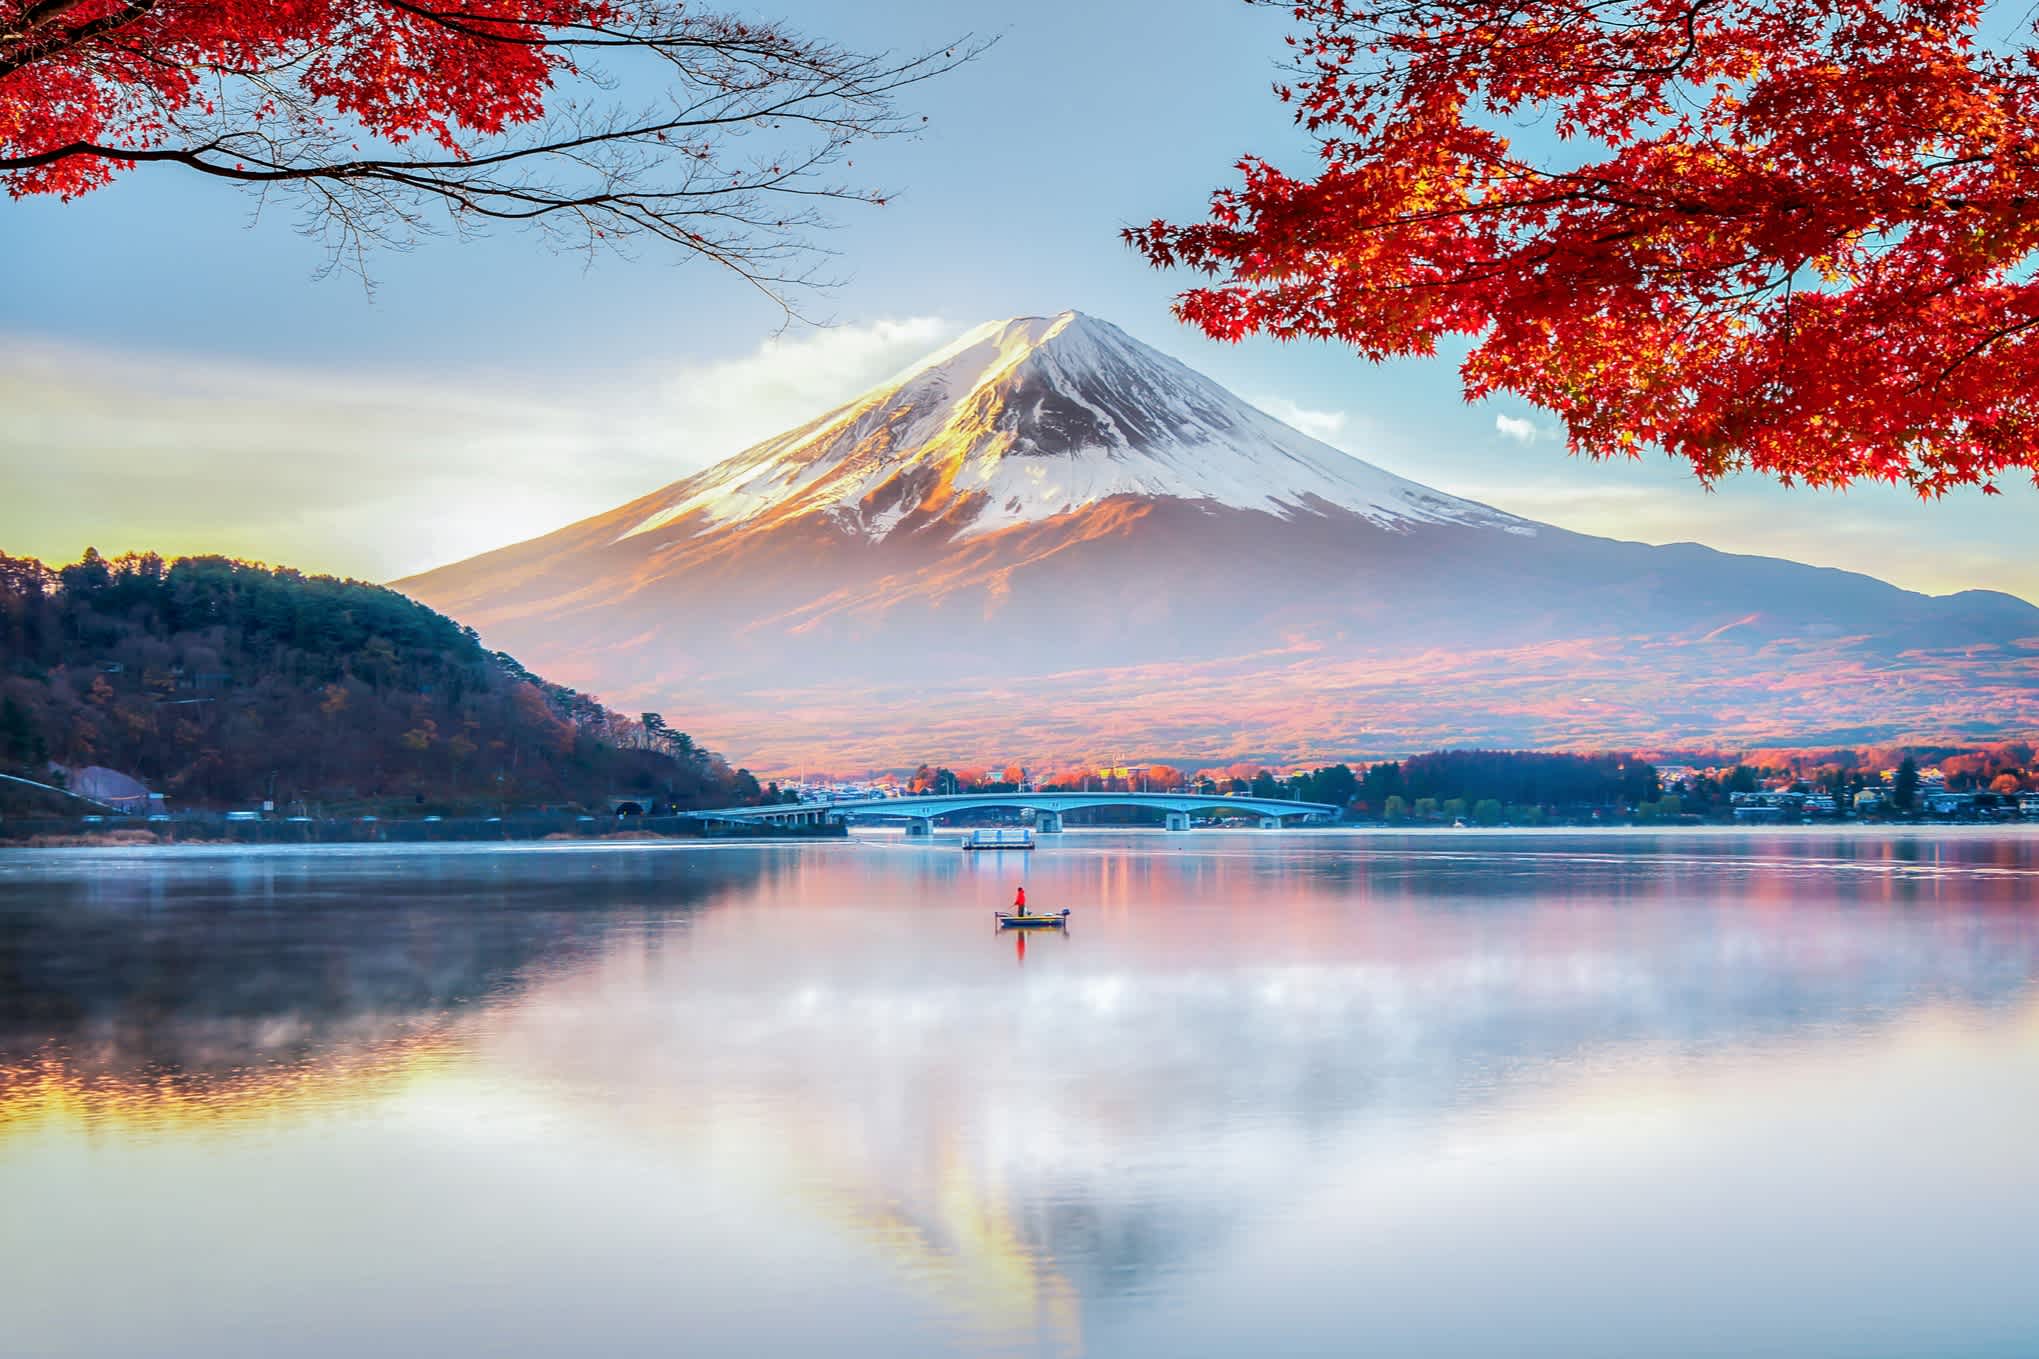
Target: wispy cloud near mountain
{"type": "Point", "coordinates": [380, 472]}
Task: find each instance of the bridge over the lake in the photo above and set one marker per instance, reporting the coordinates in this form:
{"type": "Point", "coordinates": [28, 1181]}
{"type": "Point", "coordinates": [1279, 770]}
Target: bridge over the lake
{"type": "Point", "coordinates": [921, 812]}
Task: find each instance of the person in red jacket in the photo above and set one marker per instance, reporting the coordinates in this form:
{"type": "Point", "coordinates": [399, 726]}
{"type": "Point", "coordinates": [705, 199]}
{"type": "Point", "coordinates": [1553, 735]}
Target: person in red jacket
{"type": "Point", "coordinates": [1019, 901]}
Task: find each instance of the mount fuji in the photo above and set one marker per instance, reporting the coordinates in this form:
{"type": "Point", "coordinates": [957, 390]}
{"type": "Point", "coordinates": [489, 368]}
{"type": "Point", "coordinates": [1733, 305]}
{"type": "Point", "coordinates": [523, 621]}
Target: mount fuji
{"type": "Point", "coordinates": [1049, 541]}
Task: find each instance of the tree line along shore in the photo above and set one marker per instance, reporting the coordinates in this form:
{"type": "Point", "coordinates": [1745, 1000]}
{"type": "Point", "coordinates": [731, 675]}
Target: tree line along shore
{"type": "Point", "coordinates": [218, 683]}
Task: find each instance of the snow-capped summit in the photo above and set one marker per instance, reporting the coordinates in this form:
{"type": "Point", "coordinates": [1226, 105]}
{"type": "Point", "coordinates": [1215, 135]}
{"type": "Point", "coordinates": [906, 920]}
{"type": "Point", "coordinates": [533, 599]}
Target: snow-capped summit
{"type": "Point", "coordinates": [1029, 418]}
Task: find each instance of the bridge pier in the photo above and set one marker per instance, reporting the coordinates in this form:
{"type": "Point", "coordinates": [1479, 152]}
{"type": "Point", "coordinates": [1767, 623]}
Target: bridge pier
{"type": "Point", "coordinates": [1270, 823]}
{"type": "Point", "coordinates": [921, 825]}
{"type": "Point", "coordinates": [1178, 821]}
{"type": "Point", "coordinates": [1047, 823]}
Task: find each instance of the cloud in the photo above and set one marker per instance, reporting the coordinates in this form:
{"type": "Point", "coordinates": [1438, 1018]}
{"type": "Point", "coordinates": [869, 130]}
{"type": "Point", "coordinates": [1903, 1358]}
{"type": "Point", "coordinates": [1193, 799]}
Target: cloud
{"type": "Point", "coordinates": [378, 474]}
{"type": "Point", "coordinates": [1880, 531]}
{"type": "Point", "coordinates": [1324, 426]}
{"type": "Point", "coordinates": [1537, 498]}
{"type": "Point", "coordinates": [731, 404]}
{"type": "Point", "coordinates": [1363, 436]}
{"type": "Point", "coordinates": [1516, 428]}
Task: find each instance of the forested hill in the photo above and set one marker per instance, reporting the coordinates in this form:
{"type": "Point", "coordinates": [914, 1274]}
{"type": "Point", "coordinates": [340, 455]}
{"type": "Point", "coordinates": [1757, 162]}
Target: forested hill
{"type": "Point", "coordinates": [223, 682]}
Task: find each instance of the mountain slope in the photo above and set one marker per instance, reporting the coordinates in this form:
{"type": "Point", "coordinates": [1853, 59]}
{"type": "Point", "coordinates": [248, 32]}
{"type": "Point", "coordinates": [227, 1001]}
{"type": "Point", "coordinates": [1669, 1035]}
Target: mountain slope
{"type": "Point", "coordinates": [1047, 539]}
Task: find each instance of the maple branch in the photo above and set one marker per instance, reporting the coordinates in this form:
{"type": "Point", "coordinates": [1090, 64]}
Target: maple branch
{"type": "Point", "coordinates": [1974, 350]}
{"type": "Point", "coordinates": [40, 49]}
{"type": "Point", "coordinates": [728, 169]}
{"type": "Point", "coordinates": [37, 15]}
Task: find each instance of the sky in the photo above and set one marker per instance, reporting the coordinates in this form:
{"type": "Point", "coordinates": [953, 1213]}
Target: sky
{"type": "Point", "coordinates": [175, 375]}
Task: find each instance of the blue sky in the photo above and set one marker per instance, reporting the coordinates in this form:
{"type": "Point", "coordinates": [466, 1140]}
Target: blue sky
{"type": "Point", "coordinates": [172, 375]}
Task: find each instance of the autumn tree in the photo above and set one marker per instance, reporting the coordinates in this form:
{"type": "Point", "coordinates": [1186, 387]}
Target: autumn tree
{"type": "Point", "coordinates": [1163, 778]}
{"type": "Point", "coordinates": [1904, 788]}
{"type": "Point", "coordinates": [1792, 236]}
{"type": "Point", "coordinates": [21, 744]}
{"type": "Point", "coordinates": [598, 122]}
{"type": "Point", "coordinates": [1334, 784]}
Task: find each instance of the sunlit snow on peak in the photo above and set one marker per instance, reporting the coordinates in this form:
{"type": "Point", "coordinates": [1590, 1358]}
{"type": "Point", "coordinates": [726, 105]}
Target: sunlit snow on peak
{"type": "Point", "coordinates": [1025, 419]}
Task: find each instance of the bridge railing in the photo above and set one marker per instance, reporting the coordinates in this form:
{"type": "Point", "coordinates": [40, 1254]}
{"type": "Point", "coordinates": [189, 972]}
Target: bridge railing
{"type": "Point", "coordinates": [931, 806]}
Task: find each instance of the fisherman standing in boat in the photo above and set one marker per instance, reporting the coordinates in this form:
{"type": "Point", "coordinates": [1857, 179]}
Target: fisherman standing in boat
{"type": "Point", "coordinates": [1019, 901]}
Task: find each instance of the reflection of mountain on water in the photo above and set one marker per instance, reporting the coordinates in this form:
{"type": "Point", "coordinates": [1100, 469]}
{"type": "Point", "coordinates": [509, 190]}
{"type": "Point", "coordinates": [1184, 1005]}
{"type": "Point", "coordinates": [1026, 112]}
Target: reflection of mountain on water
{"type": "Point", "coordinates": [195, 965]}
{"type": "Point", "coordinates": [1105, 1118]}
{"type": "Point", "coordinates": [1039, 1146]}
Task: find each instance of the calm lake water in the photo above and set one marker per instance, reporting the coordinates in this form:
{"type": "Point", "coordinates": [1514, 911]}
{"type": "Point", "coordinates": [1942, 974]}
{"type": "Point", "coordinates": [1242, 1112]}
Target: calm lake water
{"type": "Point", "coordinates": [1273, 1094]}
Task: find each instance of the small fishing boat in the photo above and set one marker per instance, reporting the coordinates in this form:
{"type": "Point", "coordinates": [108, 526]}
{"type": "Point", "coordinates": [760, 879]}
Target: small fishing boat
{"type": "Point", "coordinates": [1032, 920]}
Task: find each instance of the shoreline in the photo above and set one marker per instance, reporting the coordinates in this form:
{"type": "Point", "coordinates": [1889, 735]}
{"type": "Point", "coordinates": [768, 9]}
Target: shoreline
{"type": "Point", "coordinates": [74, 832]}
{"type": "Point", "coordinates": [137, 839]}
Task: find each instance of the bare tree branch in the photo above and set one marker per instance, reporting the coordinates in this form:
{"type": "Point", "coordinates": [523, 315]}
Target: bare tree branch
{"type": "Point", "coordinates": [731, 151]}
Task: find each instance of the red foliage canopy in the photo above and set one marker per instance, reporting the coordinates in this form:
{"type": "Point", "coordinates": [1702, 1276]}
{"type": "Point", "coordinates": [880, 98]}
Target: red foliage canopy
{"type": "Point", "coordinates": [496, 110]}
{"type": "Point", "coordinates": [1796, 236]}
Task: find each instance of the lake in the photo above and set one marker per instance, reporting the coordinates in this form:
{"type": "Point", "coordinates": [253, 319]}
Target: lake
{"type": "Point", "coordinates": [1281, 1093]}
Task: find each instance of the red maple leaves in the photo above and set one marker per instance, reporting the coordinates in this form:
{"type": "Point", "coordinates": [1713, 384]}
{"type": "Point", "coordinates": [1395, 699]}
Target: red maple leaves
{"type": "Point", "coordinates": [82, 81]}
{"type": "Point", "coordinates": [1794, 236]}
